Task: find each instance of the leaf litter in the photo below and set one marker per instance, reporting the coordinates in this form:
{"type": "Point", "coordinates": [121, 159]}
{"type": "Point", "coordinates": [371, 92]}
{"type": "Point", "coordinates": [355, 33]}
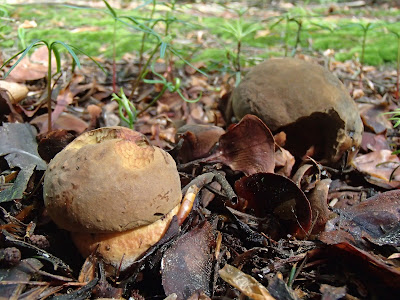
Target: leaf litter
{"type": "Point", "coordinates": [264, 224]}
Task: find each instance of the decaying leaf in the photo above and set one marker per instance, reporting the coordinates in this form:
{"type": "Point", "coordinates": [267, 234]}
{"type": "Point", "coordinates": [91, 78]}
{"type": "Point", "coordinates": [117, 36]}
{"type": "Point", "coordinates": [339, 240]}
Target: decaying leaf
{"type": "Point", "coordinates": [247, 146]}
{"type": "Point", "coordinates": [33, 67]}
{"type": "Point", "coordinates": [16, 91]}
{"type": "Point", "coordinates": [187, 265]}
{"type": "Point", "coordinates": [18, 145]}
{"type": "Point", "coordinates": [380, 167]}
{"type": "Point", "coordinates": [380, 278]}
{"type": "Point", "coordinates": [22, 272]}
{"type": "Point", "coordinates": [374, 142]}
{"type": "Point", "coordinates": [198, 140]}
{"type": "Point", "coordinates": [64, 121]}
{"type": "Point", "coordinates": [244, 283]}
{"type": "Point", "coordinates": [319, 205]}
{"type": "Point", "coordinates": [373, 118]}
{"type": "Point", "coordinates": [284, 162]}
{"type": "Point", "coordinates": [275, 194]}
{"type": "Point", "coordinates": [367, 219]}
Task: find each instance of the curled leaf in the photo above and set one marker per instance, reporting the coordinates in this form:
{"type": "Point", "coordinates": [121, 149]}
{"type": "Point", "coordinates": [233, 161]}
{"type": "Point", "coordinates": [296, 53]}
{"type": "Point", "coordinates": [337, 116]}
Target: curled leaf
{"type": "Point", "coordinates": [247, 146]}
{"type": "Point", "coordinates": [275, 194]}
{"type": "Point", "coordinates": [198, 140]}
{"type": "Point", "coordinates": [380, 167]}
{"type": "Point", "coordinates": [244, 283]}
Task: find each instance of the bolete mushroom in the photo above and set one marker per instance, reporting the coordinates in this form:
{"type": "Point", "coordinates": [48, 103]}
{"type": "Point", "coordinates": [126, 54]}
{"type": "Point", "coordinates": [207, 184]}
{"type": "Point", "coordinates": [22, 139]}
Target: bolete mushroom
{"type": "Point", "coordinates": [304, 100]}
{"type": "Point", "coordinates": [114, 192]}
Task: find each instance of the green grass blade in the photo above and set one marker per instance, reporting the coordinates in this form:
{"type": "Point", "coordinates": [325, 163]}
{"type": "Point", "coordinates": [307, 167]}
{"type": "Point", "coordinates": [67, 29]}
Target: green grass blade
{"type": "Point", "coordinates": [91, 58]}
{"type": "Point", "coordinates": [140, 26]}
{"type": "Point", "coordinates": [76, 59]}
{"type": "Point", "coordinates": [58, 59]}
{"type": "Point", "coordinates": [163, 48]}
{"type": "Point", "coordinates": [112, 11]}
{"type": "Point", "coordinates": [186, 62]}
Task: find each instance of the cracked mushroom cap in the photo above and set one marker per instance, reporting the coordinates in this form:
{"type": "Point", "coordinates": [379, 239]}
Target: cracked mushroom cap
{"type": "Point", "coordinates": [307, 102]}
{"type": "Point", "coordinates": [110, 180]}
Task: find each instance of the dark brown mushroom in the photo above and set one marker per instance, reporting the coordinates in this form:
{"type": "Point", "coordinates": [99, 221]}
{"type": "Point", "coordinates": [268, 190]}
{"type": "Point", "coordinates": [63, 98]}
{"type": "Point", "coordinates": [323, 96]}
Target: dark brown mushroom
{"type": "Point", "coordinates": [307, 102]}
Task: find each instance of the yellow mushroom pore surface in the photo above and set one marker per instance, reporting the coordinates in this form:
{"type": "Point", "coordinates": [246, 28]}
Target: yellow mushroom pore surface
{"type": "Point", "coordinates": [121, 249]}
{"type": "Point", "coordinates": [110, 185]}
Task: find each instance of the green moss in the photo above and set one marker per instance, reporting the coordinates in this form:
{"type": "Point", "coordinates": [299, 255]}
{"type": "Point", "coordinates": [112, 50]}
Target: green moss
{"type": "Point", "coordinates": [92, 31]}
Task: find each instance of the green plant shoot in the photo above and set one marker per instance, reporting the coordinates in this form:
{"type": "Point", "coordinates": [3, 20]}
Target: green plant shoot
{"type": "Point", "coordinates": [239, 31]}
{"type": "Point", "coordinates": [125, 105]}
{"type": "Point", "coordinates": [52, 49]}
{"type": "Point", "coordinates": [171, 87]}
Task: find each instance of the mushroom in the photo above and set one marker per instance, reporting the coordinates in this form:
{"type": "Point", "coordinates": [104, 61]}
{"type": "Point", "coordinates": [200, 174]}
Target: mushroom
{"type": "Point", "coordinates": [304, 100]}
{"type": "Point", "coordinates": [114, 192]}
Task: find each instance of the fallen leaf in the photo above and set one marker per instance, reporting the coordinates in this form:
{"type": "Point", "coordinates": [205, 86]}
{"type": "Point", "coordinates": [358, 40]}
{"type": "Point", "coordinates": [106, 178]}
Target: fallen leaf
{"type": "Point", "coordinates": [284, 162]}
{"type": "Point", "coordinates": [85, 29]}
{"type": "Point", "coordinates": [23, 272]}
{"type": "Point", "coordinates": [381, 280]}
{"type": "Point", "coordinates": [198, 140]}
{"type": "Point", "coordinates": [380, 168]}
{"type": "Point", "coordinates": [7, 110]}
{"type": "Point", "coordinates": [332, 292]}
{"type": "Point", "coordinates": [374, 142]}
{"type": "Point", "coordinates": [64, 98]}
{"type": "Point", "coordinates": [319, 205]}
{"type": "Point", "coordinates": [244, 283]}
{"type": "Point", "coordinates": [16, 91]}
{"type": "Point", "coordinates": [32, 68]}
{"type": "Point", "coordinates": [64, 121]}
{"type": "Point", "coordinates": [18, 145]}
{"type": "Point", "coordinates": [275, 194]}
{"type": "Point", "coordinates": [247, 146]}
{"type": "Point", "coordinates": [373, 118]}
{"type": "Point", "coordinates": [28, 24]}
{"type": "Point", "coordinates": [187, 264]}
{"type": "Point", "coordinates": [365, 220]}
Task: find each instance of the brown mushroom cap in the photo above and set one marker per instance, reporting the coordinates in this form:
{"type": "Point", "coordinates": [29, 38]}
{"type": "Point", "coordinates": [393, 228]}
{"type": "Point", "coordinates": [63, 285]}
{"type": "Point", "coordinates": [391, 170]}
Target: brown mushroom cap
{"type": "Point", "coordinates": [306, 101]}
{"type": "Point", "coordinates": [110, 179]}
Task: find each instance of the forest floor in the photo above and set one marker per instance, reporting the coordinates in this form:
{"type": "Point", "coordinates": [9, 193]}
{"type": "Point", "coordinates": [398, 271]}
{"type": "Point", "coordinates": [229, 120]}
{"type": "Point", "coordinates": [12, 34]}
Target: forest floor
{"type": "Point", "coordinates": [266, 223]}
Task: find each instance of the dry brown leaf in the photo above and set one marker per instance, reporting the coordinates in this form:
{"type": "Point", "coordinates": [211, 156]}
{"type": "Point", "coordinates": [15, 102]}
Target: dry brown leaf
{"type": "Point", "coordinates": [380, 168]}
{"type": "Point", "coordinates": [244, 283]}
{"type": "Point", "coordinates": [284, 162]}
{"type": "Point", "coordinates": [372, 117]}
{"type": "Point", "coordinates": [247, 146]}
{"type": "Point", "coordinates": [370, 219]}
{"type": "Point", "coordinates": [374, 142]}
{"type": "Point", "coordinates": [319, 205]}
{"type": "Point", "coordinates": [32, 68]}
{"type": "Point", "coordinates": [65, 121]}
{"type": "Point", "coordinates": [187, 264]}
{"type": "Point", "coordinates": [198, 140]}
{"type": "Point", "coordinates": [17, 91]}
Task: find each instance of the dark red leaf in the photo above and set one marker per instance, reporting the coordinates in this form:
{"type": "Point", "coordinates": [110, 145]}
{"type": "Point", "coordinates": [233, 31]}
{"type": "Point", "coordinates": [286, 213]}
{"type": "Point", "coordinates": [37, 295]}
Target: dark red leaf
{"type": "Point", "coordinates": [247, 146]}
{"type": "Point", "coordinates": [187, 265]}
{"type": "Point", "coordinates": [378, 277]}
{"type": "Point", "coordinates": [269, 193]}
{"type": "Point", "coordinates": [198, 140]}
{"type": "Point", "coordinates": [367, 219]}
